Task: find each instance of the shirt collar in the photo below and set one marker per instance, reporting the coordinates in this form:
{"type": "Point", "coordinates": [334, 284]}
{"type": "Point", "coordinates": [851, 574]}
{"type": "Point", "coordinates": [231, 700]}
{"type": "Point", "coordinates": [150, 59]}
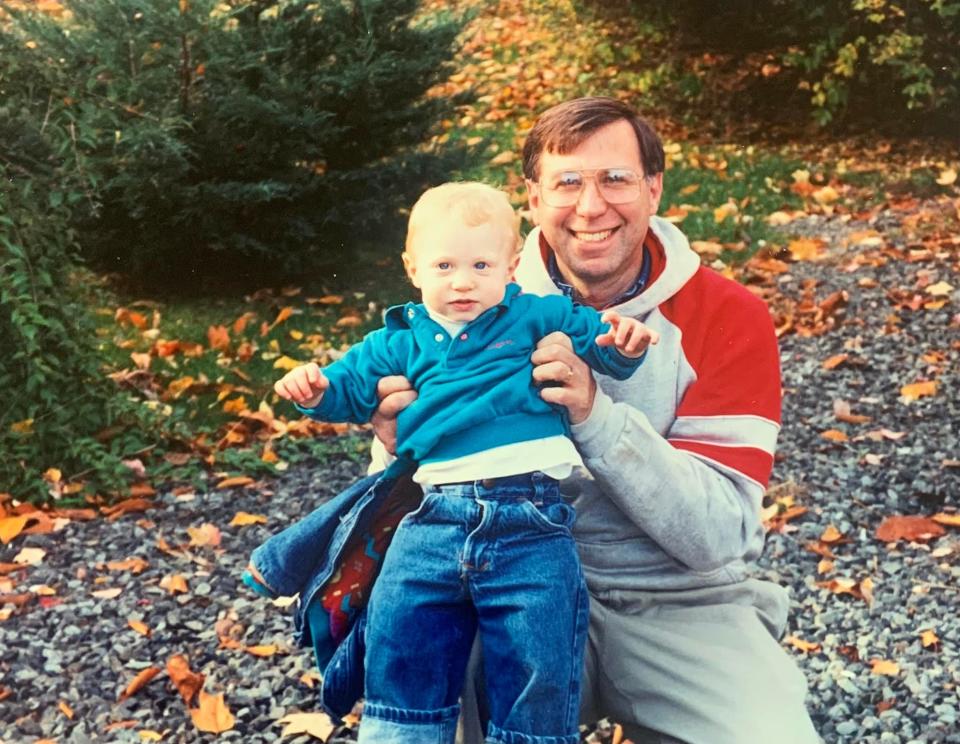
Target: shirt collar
{"type": "Point", "coordinates": [643, 277]}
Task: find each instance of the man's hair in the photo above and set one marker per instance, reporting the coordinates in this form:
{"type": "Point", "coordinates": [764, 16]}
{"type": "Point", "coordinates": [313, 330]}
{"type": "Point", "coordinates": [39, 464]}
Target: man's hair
{"type": "Point", "coordinates": [472, 203]}
{"type": "Point", "coordinates": [561, 128]}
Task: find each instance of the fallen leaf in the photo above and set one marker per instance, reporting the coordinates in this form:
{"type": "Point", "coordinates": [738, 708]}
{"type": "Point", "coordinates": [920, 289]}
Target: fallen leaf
{"type": "Point", "coordinates": [918, 390]}
{"type": "Point", "coordinates": [10, 527]}
{"type": "Point", "coordinates": [947, 177]}
{"type": "Point", "coordinates": [950, 520]}
{"type": "Point", "coordinates": [805, 646]}
{"type": "Point", "coordinates": [243, 519]}
{"type": "Point", "coordinates": [30, 556]}
{"type": "Point", "coordinates": [212, 716]}
{"type": "Point", "coordinates": [825, 566]}
{"type": "Point", "coordinates": [150, 735]}
{"type": "Point", "coordinates": [218, 338]}
{"type": "Point", "coordinates": [914, 528]}
{"type": "Point", "coordinates": [842, 412]}
{"type": "Point", "coordinates": [805, 249]}
{"type": "Point", "coordinates": [111, 593]}
{"type": "Point", "coordinates": [884, 667]}
{"type": "Point", "coordinates": [187, 682]}
{"type": "Point", "coordinates": [139, 682]}
{"type": "Point", "coordinates": [835, 361]}
{"type": "Point", "coordinates": [929, 639]}
{"type": "Point", "coordinates": [139, 627]}
{"type": "Point", "coordinates": [125, 507]}
{"type": "Point", "coordinates": [940, 289]}
{"type": "Point", "coordinates": [317, 725]}
{"type": "Point", "coordinates": [262, 651]}
{"type": "Point", "coordinates": [205, 535]}
{"type": "Point", "coordinates": [831, 535]}
{"type": "Point", "coordinates": [287, 363]}
{"type": "Point", "coordinates": [66, 709]}
{"type": "Point", "coordinates": [349, 321]}
{"type": "Point", "coordinates": [834, 435]}
{"type": "Point", "coordinates": [174, 583]}
{"type": "Point", "coordinates": [133, 565]}
{"type": "Point", "coordinates": [240, 480]}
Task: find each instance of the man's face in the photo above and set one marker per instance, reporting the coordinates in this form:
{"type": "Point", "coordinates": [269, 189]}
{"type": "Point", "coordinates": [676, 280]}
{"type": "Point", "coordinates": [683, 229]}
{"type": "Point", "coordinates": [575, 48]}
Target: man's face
{"type": "Point", "coordinates": [598, 245]}
{"type": "Point", "coordinates": [461, 271]}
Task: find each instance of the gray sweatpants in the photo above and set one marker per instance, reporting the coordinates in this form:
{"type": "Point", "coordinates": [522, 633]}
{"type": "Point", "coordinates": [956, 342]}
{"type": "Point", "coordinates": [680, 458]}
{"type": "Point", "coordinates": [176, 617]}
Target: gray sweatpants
{"type": "Point", "coordinates": [700, 666]}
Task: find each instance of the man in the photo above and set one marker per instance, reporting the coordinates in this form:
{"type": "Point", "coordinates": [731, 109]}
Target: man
{"type": "Point", "coordinates": [682, 644]}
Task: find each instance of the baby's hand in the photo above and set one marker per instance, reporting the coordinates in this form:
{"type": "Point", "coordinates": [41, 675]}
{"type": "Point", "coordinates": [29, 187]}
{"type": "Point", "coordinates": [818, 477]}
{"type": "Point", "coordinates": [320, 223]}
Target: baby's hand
{"type": "Point", "coordinates": [629, 335]}
{"type": "Point", "coordinates": [304, 385]}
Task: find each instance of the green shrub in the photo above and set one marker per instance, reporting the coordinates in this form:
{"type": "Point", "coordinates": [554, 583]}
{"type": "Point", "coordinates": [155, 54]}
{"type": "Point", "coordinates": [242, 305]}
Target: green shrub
{"type": "Point", "coordinates": [57, 408]}
{"type": "Point", "coordinates": [891, 64]}
{"type": "Point", "coordinates": [255, 138]}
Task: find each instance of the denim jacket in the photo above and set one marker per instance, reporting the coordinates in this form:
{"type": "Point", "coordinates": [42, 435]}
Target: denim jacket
{"type": "Point", "coordinates": [302, 559]}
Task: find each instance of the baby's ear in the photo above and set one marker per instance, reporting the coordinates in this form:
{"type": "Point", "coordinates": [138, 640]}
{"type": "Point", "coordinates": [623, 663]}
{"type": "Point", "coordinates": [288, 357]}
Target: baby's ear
{"type": "Point", "coordinates": [410, 267]}
{"type": "Point", "coordinates": [514, 261]}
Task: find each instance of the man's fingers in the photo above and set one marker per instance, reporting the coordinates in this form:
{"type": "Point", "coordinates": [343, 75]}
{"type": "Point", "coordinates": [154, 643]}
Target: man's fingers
{"type": "Point", "coordinates": [553, 372]}
{"type": "Point", "coordinates": [557, 338]}
{"type": "Point", "coordinates": [392, 384]}
{"type": "Point", "coordinates": [395, 402]}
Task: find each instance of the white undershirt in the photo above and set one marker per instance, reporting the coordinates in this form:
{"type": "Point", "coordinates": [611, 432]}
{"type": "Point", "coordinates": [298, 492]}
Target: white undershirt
{"type": "Point", "coordinates": [554, 456]}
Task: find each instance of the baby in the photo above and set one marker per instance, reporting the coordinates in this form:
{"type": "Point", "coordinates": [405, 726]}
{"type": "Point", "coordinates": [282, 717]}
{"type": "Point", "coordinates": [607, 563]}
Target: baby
{"type": "Point", "coordinates": [489, 548]}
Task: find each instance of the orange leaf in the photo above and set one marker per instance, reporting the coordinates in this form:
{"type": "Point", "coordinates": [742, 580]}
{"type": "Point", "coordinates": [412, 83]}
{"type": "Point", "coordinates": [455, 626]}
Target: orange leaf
{"type": "Point", "coordinates": [186, 681]}
{"type": "Point", "coordinates": [266, 650]}
{"type": "Point", "coordinates": [805, 249]}
{"type": "Point", "coordinates": [911, 527]}
{"type": "Point", "coordinates": [831, 535]}
{"type": "Point", "coordinates": [66, 709]}
{"type": "Point", "coordinates": [834, 435]}
{"type": "Point", "coordinates": [835, 361]}
{"type": "Point", "coordinates": [212, 716]}
{"type": "Point", "coordinates": [139, 682]}
{"type": "Point", "coordinates": [349, 321]}
{"type": "Point", "coordinates": [10, 527]}
{"type": "Point", "coordinates": [928, 639]}
{"type": "Point", "coordinates": [918, 390]}
{"type": "Point", "coordinates": [124, 507]}
{"type": "Point", "coordinates": [805, 646]}
{"type": "Point", "coordinates": [950, 520]}
{"type": "Point", "coordinates": [243, 519]}
{"type": "Point", "coordinates": [205, 534]}
{"type": "Point", "coordinates": [174, 583]}
{"type": "Point", "coordinates": [887, 668]}
{"type": "Point", "coordinates": [284, 313]}
{"type": "Point", "coordinates": [133, 565]}
{"type": "Point", "coordinates": [139, 627]}
{"type": "Point", "coordinates": [841, 410]}
{"type": "Point", "coordinates": [240, 480]}
{"type": "Point", "coordinates": [218, 337]}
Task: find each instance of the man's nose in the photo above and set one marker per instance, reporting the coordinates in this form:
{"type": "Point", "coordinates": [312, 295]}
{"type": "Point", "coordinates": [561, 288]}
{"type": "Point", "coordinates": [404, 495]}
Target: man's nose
{"type": "Point", "coordinates": [591, 201]}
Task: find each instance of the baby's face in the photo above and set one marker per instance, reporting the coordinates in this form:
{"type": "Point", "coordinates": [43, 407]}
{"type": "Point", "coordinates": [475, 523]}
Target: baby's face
{"type": "Point", "coordinates": [461, 271]}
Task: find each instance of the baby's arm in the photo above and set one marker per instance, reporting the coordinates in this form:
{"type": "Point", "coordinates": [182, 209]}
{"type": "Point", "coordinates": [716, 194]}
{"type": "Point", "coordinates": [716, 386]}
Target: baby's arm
{"type": "Point", "coordinates": [629, 335]}
{"type": "Point", "coordinates": [304, 385]}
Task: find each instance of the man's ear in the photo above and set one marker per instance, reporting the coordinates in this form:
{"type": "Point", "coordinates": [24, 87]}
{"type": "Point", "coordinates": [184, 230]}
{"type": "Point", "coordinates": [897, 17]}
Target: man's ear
{"type": "Point", "coordinates": [533, 200]}
{"type": "Point", "coordinates": [655, 184]}
{"type": "Point", "coordinates": [410, 267]}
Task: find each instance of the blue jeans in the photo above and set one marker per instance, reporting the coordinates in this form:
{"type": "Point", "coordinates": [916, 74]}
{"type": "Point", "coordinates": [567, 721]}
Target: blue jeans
{"type": "Point", "coordinates": [493, 557]}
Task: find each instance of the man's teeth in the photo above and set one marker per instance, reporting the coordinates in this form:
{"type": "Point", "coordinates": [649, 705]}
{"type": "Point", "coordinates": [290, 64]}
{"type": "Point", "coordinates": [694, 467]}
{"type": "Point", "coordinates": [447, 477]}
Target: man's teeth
{"type": "Point", "coordinates": [594, 237]}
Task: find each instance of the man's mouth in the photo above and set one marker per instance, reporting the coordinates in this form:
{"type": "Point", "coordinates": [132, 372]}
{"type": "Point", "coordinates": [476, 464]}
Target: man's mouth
{"type": "Point", "coordinates": [593, 237]}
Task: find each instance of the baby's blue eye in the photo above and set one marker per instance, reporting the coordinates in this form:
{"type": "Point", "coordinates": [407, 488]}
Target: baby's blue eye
{"type": "Point", "coordinates": [480, 265]}
{"type": "Point", "coordinates": [443, 265]}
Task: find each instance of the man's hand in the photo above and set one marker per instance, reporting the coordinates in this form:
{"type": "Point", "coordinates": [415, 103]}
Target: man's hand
{"type": "Point", "coordinates": [304, 385]}
{"type": "Point", "coordinates": [555, 361]}
{"type": "Point", "coordinates": [629, 335]}
{"type": "Point", "coordinates": [395, 393]}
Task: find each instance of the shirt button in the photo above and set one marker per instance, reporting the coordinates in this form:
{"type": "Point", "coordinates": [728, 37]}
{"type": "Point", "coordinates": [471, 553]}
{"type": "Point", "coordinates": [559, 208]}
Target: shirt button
{"type": "Point", "coordinates": [438, 337]}
{"type": "Point", "coordinates": [410, 313]}
{"type": "Point", "coordinates": [463, 336]}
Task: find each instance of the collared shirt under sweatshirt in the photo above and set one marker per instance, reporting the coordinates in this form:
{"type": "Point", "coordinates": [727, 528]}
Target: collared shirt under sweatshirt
{"type": "Point", "coordinates": [475, 391]}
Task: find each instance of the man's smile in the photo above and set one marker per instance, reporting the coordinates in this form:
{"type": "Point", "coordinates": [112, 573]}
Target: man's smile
{"type": "Point", "coordinates": [594, 236]}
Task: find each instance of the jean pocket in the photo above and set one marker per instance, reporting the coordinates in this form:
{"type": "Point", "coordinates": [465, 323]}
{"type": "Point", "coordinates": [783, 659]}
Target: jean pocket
{"type": "Point", "coordinates": [557, 516]}
{"type": "Point", "coordinates": [427, 504]}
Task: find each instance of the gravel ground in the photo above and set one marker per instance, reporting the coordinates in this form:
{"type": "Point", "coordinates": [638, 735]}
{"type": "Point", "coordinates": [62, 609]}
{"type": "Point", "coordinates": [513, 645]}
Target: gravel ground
{"type": "Point", "coordinates": [67, 656]}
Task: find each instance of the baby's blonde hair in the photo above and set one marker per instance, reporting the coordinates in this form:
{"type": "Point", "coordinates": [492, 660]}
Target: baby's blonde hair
{"type": "Point", "coordinates": [471, 202]}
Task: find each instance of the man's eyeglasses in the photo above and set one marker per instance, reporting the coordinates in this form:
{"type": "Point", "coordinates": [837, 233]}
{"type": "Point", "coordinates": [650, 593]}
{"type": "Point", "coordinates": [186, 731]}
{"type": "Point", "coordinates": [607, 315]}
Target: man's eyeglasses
{"type": "Point", "coordinates": [616, 185]}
